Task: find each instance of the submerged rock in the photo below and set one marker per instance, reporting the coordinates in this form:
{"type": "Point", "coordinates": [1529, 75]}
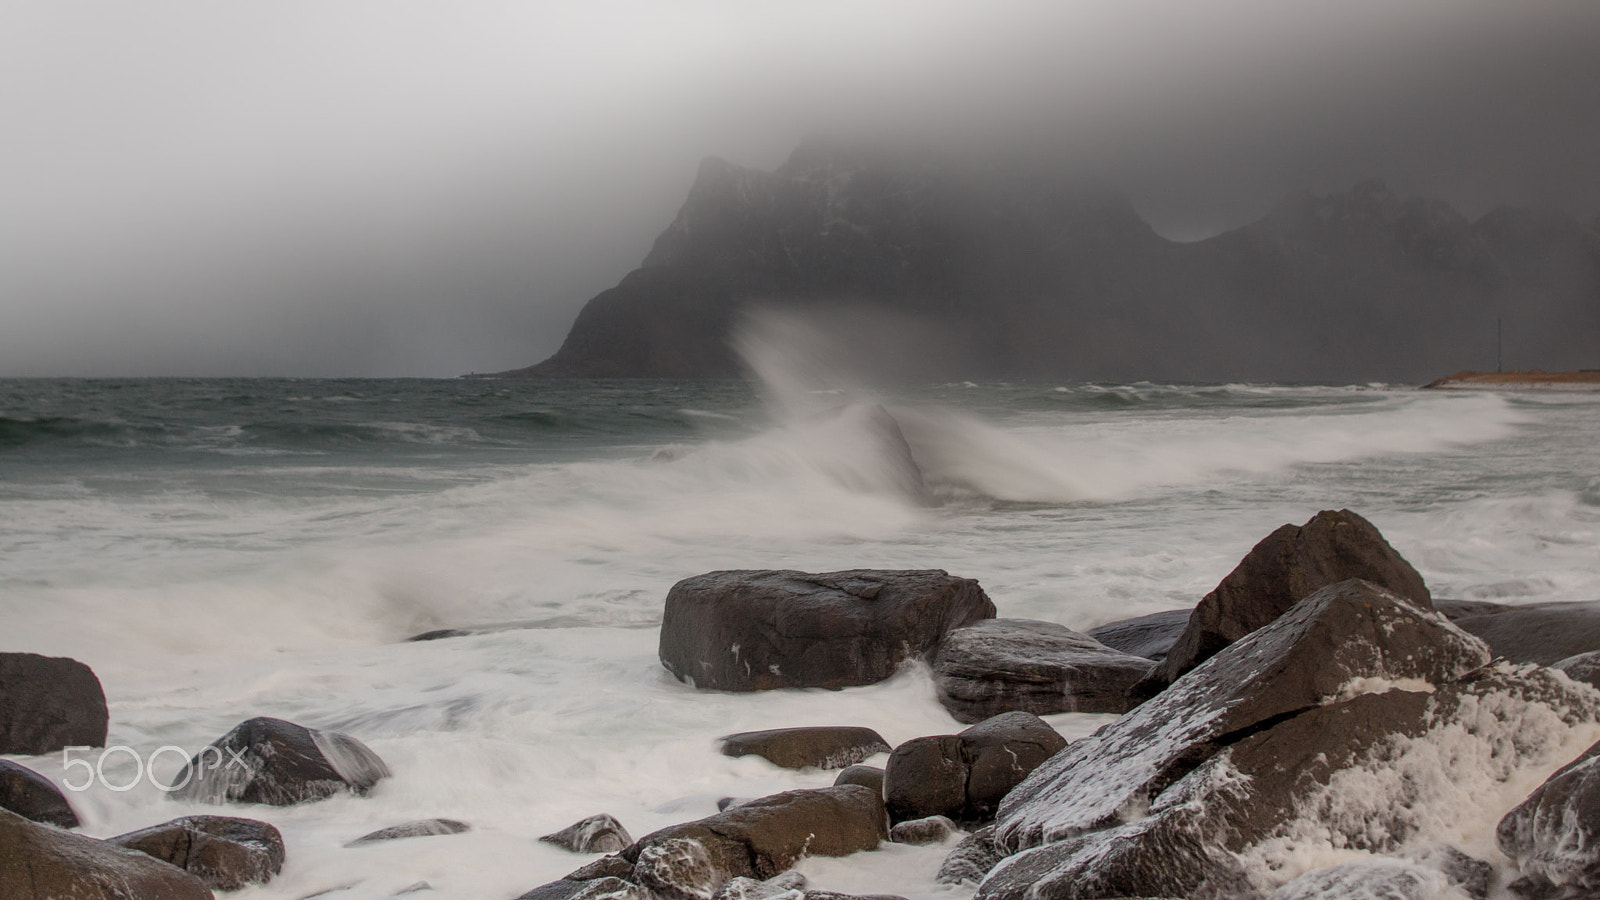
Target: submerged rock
{"type": "Point", "coordinates": [1286, 566]}
{"type": "Point", "coordinates": [265, 760]}
{"type": "Point", "coordinates": [788, 886]}
{"type": "Point", "coordinates": [1377, 879]}
{"type": "Point", "coordinates": [40, 862]}
{"type": "Point", "coordinates": [1148, 636]}
{"type": "Point", "coordinates": [419, 828]}
{"type": "Point", "coordinates": [226, 853]}
{"type": "Point", "coordinates": [47, 703]}
{"type": "Point", "coordinates": [965, 775]}
{"type": "Point", "coordinates": [1000, 665]}
{"type": "Point", "coordinates": [932, 830]}
{"type": "Point", "coordinates": [33, 796]}
{"type": "Point", "coordinates": [759, 630]}
{"type": "Point", "coordinates": [596, 834]}
{"type": "Point", "coordinates": [971, 860]}
{"type": "Point", "coordinates": [822, 747]}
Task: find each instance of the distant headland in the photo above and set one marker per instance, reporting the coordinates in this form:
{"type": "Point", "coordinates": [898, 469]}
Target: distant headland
{"type": "Point", "coordinates": [1533, 379]}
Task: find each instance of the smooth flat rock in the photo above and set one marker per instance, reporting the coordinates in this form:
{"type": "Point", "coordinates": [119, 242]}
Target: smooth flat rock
{"type": "Point", "coordinates": [821, 747]}
{"type": "Point", "coordinates": [1000, 665]}
{"type": "Point", "coordinates": [757, 630]}
{"type": "Point", "coordinates": [47, 703]}
{"type": "Point", "coordinates": [266, 760]}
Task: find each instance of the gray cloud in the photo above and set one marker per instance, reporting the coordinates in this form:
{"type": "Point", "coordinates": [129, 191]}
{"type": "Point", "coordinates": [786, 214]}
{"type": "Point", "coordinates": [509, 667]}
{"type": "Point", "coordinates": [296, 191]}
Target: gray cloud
{"type": "Point", "coordinates": [388, 188]}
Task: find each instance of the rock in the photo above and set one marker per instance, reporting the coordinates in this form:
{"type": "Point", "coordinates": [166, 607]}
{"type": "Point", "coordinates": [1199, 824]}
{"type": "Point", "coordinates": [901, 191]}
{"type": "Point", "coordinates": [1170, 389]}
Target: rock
{"type": "Point", "coordinates": [727, 803]}
{"type": "Point", "coordinates": [1338, 639]}
{"type": "Point", "coordinates": [596, 834]}
{"type": "Point", "coordinates": [764, 837]}
{"type": "Point", "coordinates": [33, 796]}
{"type": "Point", "coordinates": [963, 776]}
{"type": "Point", "coordinates": [567, 889]}
{"type": "Point", "coordinates": [40, 862]}
{"type": "Point", "coordinates": [788, 886]}
{"type": "Point", "coordinates": [47, 703]}
{"type": "Point", "coordinates": [1542, 633]}
{"type": "Point", "coordinates": [866, 776]}
{"type": "Point", "coordinates": [758, 630]}
{"type": "Point", "coordinates": [419, 828]}
{"type": "Point", "coordinates": [1376, 879]}
{"type": "Point", "coordinates": [1552, 835]}
{"type": "Point", "coordinates": [224, 852]}
{"type": "Point", "coordinates": [1288, 565]}
{"type": "Point", "coordinates": [1148, 636]}
{"type": "Point", "coordinates": [1470, 874]}
{"type": "Point", "coordinates": [1584, 667]}
{"type": "Point", "coordinates": [999, 665]}
{"type": "Point", "coordinates": [830, 895]}
{"type": "Point", "coordinates": [606, 866]}
{"type": "Point", "coordinates": [413, 888]}
{"type": "Point", "coordinates": [612, 889]}
{"type": "Point", "coordinates": [271, 761]}
{"type": "Point", "coordinates": [1153, 857]}
{"type": "Point", "coordinates": [932, 830]}
{"type": "Point", "coordinates": [678, 869]}
{"type": "Point", "coordinates": [824, 747]}
{"type": "Point", "coordinates": [971, 860]}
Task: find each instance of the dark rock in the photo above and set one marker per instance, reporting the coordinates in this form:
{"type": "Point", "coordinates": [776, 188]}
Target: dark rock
{"type": "Point", "coordinates": [727, 803]}
{"type": "Point", "coordinates": [596, 834]}
{"type": "Point", "coordinates": [415, 888]}
{"type": "Point", "coordinates": [971, 860]}
{"type": "Point", "coordinates": [1148, 636]}
{"type": "Point", "coordinates": [866, 776]}
{"type": "Point", "coordinates": [271, 761]}
{"type": "Point", "coordinates": [47, 703]}
{"type": "Point", "coordinates": [1313, 654]}
{"type": "Point", "coordinates": [1542, 633]}
{"type": "Point", "coordinates": [1553, 834]}
{"type": "Point", "coordinates": [679, 869]}
{"type": "Point", "coordinates": [1470, 874]}
{"type": "Point", "coordinates": [33, 796]}
{"type": "Point", "coordinates": [932, 830]}
{"type": "Point", "coordinates": [789, 886]}
{"type": "Point", "coordinates": [40, 862]}
{"type": "Point", "coordinates": [1000, 665]}
{"type": "Point", "coordinates": [1370, 880]}
{"type": "Point", "coordinates": [613, 889]}
{"type": "Point", "coordinates": [1584, 667]}
{"type": "Point", "coordinates": [765, 837]}
{"type": "Point", "coordinates": [1153, 857]}
{"type": "Point", "coordinates": [964, 776]}
{"type": "Point", "coordinates": [830, 895]}
{"type": "Point", "coordinates": [419, 828]}
{"type": "Point", "coordinates": [822, 747]}
{"type": "Point", "coordinates": [758, 630]}
{"type": "Point", "coordinates": [560, 889]}
{"type": "Point", "coordinates": [1288, 565]}
{"type": "Point", "coordinates": [224, 852]}
{"type": "Point", "coordinates": [606, 866]}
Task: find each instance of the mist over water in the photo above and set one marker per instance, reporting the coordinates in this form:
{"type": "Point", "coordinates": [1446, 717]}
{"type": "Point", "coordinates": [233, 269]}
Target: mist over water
{"type": "Point", "coordinates": [221, 549]}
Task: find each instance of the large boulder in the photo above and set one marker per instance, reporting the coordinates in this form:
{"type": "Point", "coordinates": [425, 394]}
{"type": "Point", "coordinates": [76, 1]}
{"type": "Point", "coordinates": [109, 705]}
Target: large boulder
{"type": "Point", "coordinates": [224, 852]}
{"type": "Point", "coordinates": [1554, 835]}
{"type": "Point", "coordinates": [1341, 637]}
{"type": "Point", "coordinates": [1150, 636]}
{"type": "Point", "coordinates": [1542, 633]}
{"type": "Point", "coordinates": [1286, 566]}
{"type": "Point", "coordinates": [40, 862]}
{"type": "Point", "coordinates": [821, 747]}
{"type": "Point", "coordinates": [1000, 665]}
{"type": "Point", "coordinates": [759, 839]}
{"type": "Point", "coordinates": [265, 760]}
{"type": "Point", "coordinates": [964, 776]}
{"type": "Point", "coordinates": [47, 703]}
{"type": "Point", "coordinates": [33, 796]}
{"type": "Point", "coordinates": [758, 630]}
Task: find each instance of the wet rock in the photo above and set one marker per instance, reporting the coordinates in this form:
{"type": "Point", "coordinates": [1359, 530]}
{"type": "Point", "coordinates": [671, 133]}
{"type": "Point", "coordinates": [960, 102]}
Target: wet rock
{"type": "Point", "coordinates": [1000, 665]}
{"type": "Point", "coordinates": [606, 866]}
{"type": "Point", "coordinates": [726, 803]}
{"type": "Point", "coordinates": [226, 853]}
{"type": "Point", "coordinates": [272, 761]}
{"type": "Point", "coordinates": [1554, 835]}
{"type": "Point", "coordinates": [678, 869]}
{"type": "Point", "coordinates": [596, 834]}
{"type": "Point", "coordinates": [758, 630]}
{"type": "Point", "coordinates": [765, 837]}
{"type": "Point", "coordinates": [788, 886]}
{"type": "Point", "coordinates": [823, 747]}
{"type": "Point", "coordinates": [830, 895]}
{"type": "Point", "coordinates": [40, 862]}
{"type": "Point", "coordinates": [1542, 633]}
{"type": "Point", "coordinates": [1148, 636]}
{"type": "Point", "coordinates": [1584, 667]}
{"type": "Point", "coordinates": [33, 796]}
{"type": "Point", "coordinates": [866, 776]}
{"type": "Point", "coordinates": [1338, 639]}
{"type": "Point", "coordinates": [971, 860]}
{"type": "Point", "coordinates": [419, 828]}
{"type": "Point", "coordinates": [1288, 565]}
{"type": "Point", "coordinates": [932, 830]}
{"type": "Point", "coordinates": [965, 775]}
{"type": "Point", "coordinates": [47, 703]}
{"type": "Point", "coordinates": [414, 888]}
{"type": "Point", "coordinates": [1377, 879]}
{"type": "Point", "coordinates": [1470, 874]}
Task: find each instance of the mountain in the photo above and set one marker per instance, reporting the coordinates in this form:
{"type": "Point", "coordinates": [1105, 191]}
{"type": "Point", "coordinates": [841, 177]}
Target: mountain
{"type": "Point", "coordinates": [1009, 273]}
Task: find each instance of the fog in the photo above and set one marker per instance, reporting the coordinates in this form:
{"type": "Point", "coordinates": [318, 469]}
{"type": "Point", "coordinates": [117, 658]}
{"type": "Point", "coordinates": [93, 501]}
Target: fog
{"type": "Point", "coordinates": [356, 187]}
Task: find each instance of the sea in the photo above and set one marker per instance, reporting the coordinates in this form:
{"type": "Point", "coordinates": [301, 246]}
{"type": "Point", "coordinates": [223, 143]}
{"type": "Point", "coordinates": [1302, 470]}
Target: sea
{"type": "Point", "coordinates": [218, 549]}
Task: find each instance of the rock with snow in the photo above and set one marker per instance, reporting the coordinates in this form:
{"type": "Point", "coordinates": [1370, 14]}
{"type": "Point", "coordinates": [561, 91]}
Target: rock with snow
{"type": "Point", "coordinates": [964, 776]}
{"type": "Point", "coordinates": [821, 747]}
{"type": "Point", "coordinates": [1290, 564]}
{"type": "Point", "coordinates": [266, 760]}
{"type": "Point", "coordinates": [758, 630]}
{"type": "Point", "coordinates": [225, 852]}
{"type": "Point", "coordinates": [47, 703]}
{"type": "Point", "coordinates": [1000, 665]}
{"type": "Point", "coordinates": [33, 796]}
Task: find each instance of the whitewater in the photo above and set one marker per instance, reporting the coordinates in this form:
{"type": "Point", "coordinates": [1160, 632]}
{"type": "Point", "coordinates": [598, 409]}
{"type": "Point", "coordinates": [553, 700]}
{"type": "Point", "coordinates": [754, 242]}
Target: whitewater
{"type": "Point", "coordinates": [218, 549]}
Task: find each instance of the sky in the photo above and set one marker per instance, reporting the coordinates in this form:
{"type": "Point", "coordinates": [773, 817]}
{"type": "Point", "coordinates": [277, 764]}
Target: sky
{"type": "Point", "coordinates": [399, 188]}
